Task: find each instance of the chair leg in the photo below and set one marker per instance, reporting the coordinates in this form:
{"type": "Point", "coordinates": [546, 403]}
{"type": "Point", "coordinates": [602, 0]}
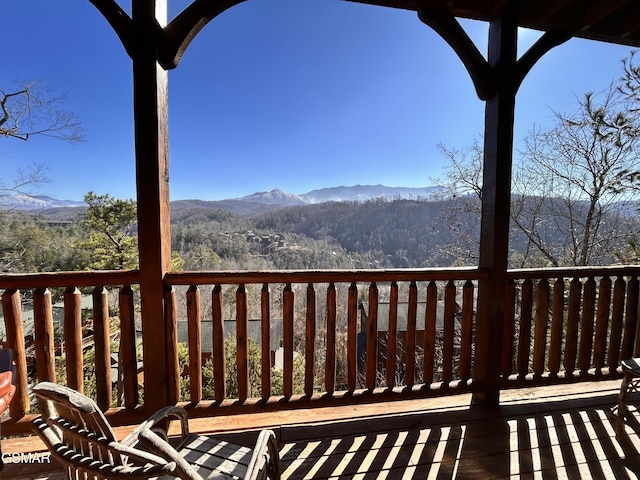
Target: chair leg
{"type": "Point", "coordinates": [622, 398]}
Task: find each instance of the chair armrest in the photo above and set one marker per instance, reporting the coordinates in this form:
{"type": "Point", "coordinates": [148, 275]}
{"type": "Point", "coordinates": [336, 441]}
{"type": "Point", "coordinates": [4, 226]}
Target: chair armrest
{"type": "Point", "coordinates": [155, 463]}
{"type": "Point", "coordinates": [151, 423]}
{"type": "Point", "coordinates": [141, 455]}
{"type": "Point", "coordinates": [158, 446]}
{"type": "Point", "coordinates": [266, 448]}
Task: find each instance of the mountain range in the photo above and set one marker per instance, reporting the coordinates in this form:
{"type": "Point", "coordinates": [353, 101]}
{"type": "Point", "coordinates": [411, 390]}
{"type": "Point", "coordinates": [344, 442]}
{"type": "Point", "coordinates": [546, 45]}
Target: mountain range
{"type": "Point", "coordinates": [250, 204]}
{"type": "Point", "coordinates": [22, 201]}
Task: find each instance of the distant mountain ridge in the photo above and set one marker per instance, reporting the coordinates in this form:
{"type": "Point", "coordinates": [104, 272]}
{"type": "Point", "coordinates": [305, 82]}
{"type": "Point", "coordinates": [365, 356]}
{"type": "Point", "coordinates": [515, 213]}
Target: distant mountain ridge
{"type": "Point", "coordinates": [22, 201]}
{"type": "Point", "coordinates": [254, 203]}
{"type": "Point", "coordinates": [355, 193]}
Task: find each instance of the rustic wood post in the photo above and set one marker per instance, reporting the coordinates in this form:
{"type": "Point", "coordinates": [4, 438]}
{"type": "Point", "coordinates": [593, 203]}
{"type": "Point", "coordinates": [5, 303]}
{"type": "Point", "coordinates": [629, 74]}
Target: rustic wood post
{"type": "Point", "coordinates": [155, 47]}
{"type": "Point", "coordinates": [152, 182]}
{"type": "Point", "coordinates": [496, 191]}
{"type": "Point", "coordinates": [496, 81]}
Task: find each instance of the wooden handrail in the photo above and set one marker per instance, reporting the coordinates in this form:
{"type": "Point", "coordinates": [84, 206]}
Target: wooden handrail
{"type": "Point", "coordinates": [321, 276]}
{"type": "Point", "coordinates": [358, 332]}
{"type": "Point", "coordinates": [27, 281]}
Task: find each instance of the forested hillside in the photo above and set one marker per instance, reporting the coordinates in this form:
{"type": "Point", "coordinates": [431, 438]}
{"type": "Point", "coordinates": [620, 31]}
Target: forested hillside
{"type": "Point", "coordinates": [401, 233]}
{"type": "Point", "coordinates": [372, 234]}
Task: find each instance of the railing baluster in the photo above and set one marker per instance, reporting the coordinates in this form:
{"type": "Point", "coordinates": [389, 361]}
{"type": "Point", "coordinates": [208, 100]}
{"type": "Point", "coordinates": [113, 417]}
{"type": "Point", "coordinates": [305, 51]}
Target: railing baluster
{"type": "Point", "coordinates": [557, 327]}
{"type": "Point", "coordinates": [392, 336]}
{"type": "Point", "coordinates": [218, 353]}
{"type": "Point", "coordinates": [602, 323]}
{"type": "Point", "coordinates": [617, 321]}
{"type": "Point", "coordinates": [330, 363]}
{"type": "Point", "coordinates": [352, 338]}
{"type": "Point", "coordinates": [310, 340]}
{"type": "Point", "coordinates": [587, 333]}
{"type": "Point", "coordinates": [430, 332]}
{"type": "Point", "coordinates": [44, 333]}
{"type": "Point", "coordinates": [524, 343]}
{"type": "Point", "coordinates": [632, 311]}
{"type": "Point", "coordinates": [12, 311]}
{"type": "Point", "coordinates": [242, 340]}
{"type": "Point", "coordinates": [586, 326]}
{"type": "Point", "coordinates": [466, 340]}
{"type": "Point", "coordinates": [194, 328]}
{"type": "Point", "coordinates": [509, 329]}
{"type": "Point", "coordinates": [371, 368]}
{"type": "Point", "coordinates": [171, 346]}
{"type": "Point", "coordinates": [265, 310]}
{"type": "Point", "coordinates": [449, 331]}
{"type": "Point", "coordinates": [410, 354]}
{"type": "Point", "coordinates": [102, 338]}
{"type": "Point", "coordinates": [573, 319]}
{"type": "Point", "coordinates": [73, 338]}
{"type": "Point", "coordinates": [288, 304]}
{"type": "Point", "coordinates": [630, 319]}
{"type": "Point", "coordinates": [541, 326]}
{"type": "Point", "coordinates": [128, 363]}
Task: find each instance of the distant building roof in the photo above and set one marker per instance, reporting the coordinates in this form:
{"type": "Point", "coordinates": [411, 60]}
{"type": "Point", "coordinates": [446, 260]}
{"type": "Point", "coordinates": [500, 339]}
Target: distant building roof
{"type": "Point", "coordinates": [255, 332]}
{"type": "Point", "coordinates": [57, 309]}
{"type": "Point", "coordinates": [403, 313]}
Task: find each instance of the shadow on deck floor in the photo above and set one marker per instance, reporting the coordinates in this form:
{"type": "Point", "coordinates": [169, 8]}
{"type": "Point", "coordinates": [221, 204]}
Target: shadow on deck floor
{"type": "Point", "coordinates": [558, 432]}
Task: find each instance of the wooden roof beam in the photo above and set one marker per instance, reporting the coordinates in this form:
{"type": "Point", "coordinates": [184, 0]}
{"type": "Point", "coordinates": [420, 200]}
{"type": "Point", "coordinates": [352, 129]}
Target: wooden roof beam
{"type": "Point", "coordinates": [181, 31]}
{"type": "Point", "coordinates": [119, 21]}
{"type": "Point", "coordinates": [599, 10]}
{"type": "Point", "coordinates": [446, 25]}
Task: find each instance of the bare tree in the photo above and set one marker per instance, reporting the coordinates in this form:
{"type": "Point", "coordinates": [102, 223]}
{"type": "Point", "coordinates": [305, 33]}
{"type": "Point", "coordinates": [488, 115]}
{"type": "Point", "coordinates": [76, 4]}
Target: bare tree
{"type": "Point", "coordinates": [32, 109]}
{"type": "Point", "coordinates": [462, 187]}
{"type": "Point", "coordinates": [574, 190]}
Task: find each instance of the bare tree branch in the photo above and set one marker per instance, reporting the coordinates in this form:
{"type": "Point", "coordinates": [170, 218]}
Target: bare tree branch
{"type": "Point", "coordinates": [31, 109]}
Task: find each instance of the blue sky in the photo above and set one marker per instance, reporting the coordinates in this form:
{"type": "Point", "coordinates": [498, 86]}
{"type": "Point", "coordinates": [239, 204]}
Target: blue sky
{"type": "Point", "coordinates": [288, 94]}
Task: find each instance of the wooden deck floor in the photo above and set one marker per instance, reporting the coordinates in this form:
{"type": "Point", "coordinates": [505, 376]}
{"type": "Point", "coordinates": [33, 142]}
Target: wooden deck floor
{"type": "Point", "coordinates": [565, 431]}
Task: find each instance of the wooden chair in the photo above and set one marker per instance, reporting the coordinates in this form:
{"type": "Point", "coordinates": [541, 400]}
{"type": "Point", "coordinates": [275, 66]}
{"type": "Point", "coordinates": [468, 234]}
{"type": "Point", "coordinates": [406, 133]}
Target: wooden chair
{"type": "Point", "coordinates": [630, 383]}
{"type": "Point", "coordinates": [79, 437]}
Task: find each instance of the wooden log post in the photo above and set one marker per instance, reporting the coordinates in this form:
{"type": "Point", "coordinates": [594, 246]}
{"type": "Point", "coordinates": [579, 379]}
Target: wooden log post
{"type": "Point", "coordinates": [288, 309]}
{"type": "Point", "coordinates": [218, 347]}
{"type": "Point", "coordinates": [73, 338]}
{"type": "Point", "coordinates": [173, 373]}
{"type": "Point", "coordinates": [330, 352]}
{"type": "Point", "coordinates": [194, 316]}
{"type": "Point", "coordinates": [128, 359]}
{"type": "Point", "coordinates": [12, 312]}
{"type": "Point", "coordinates": [155, 46]}
{"type": "Point", "coordinates": [496, 191]}
{"type": "Point", "coordinates": [371, 368]}
{"type": "Point", "coordinates": [410, 353]}
{"type": "Point", "coordinates": [310, 340]}
{"type": "Point", "coordinates": [266, 362]}
{"type": "Point", "coordinates": [430, 326]}
{"type": "Point", "coordinates": [352, 337]}
{"type": "Point", "coordinates": [392, 337]}
{"type": "Point", "coordinates": [150, 103]}
{"type": "Point", "coordinates": [496, 81]}
{"type": "Point", "coordinates": [101, 336]}
{"type": "Point", "coordinates": [44, 332]}
{"type": "Point", "coordinates": [242, 343]}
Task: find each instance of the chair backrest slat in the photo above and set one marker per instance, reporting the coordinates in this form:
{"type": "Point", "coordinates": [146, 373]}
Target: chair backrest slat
{"type": "Point", "coordinates": [73, 407]}
{"type": "Point", "coordinates": [82, 439]}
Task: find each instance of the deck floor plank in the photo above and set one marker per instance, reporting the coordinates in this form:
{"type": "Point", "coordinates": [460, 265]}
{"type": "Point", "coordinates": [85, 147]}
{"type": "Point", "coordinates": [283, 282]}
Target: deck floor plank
{"type": "Point", "coordinates": [561, 432]}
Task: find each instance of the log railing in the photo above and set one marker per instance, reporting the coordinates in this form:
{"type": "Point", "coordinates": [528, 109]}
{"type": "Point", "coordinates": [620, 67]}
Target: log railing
{"type": "Point", "coordinates": [341, 336]}
{"type": "Point", "coordinates": [327, 349]}
{"type": "Point", "coordinates": [569, 324]}
{"type": "Point", "coordinates": [37, 291]}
